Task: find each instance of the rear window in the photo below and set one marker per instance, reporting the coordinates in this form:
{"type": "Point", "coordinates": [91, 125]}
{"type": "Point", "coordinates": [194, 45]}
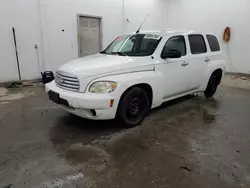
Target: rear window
{"type": "Point", "coordinates": [213, 43]}
{"type": "Point", "coordinates": [197, 44]}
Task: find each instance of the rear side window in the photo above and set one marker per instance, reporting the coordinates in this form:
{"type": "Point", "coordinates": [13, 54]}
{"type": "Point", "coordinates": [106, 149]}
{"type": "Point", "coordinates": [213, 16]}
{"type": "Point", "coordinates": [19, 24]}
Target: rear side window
{"type": "Point", "coordinates": [197, 44]}
{"type": "Point", "coordinates": [213, 43]}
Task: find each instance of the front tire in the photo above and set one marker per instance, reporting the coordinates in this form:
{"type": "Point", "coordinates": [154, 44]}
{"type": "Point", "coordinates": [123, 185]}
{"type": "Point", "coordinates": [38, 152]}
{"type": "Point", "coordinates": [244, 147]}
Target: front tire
{"type": "Point", "coordinates": [212, 86]}
{"type": "Point", "coordinates": [133, 107]}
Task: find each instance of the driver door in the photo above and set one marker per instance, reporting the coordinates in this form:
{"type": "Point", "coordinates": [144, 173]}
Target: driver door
{"type": "Point", "coordinates": [175, 70]}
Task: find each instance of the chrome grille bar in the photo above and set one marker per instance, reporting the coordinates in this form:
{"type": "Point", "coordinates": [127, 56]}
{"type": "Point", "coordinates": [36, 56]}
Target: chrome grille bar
{"type": "Point", "coordinates": [67, 81]}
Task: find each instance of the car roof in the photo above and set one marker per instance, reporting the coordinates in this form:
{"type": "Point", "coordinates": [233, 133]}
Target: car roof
{"type": "Point", "coordinates": [170, 31]}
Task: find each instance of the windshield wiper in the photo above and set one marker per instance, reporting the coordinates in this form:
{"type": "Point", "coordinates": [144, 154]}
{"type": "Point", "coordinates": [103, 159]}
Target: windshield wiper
{"type": "Point", "coordinates": [121, 53]}
{"type": "Point", "coordinates": [103, 52]}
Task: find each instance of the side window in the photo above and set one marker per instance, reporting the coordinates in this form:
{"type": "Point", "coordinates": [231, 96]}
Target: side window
{"type": "Point", "coordinates": [197, 44]}
{"type": "Point", "coordinates": [146, 44]}
{"type": "Point", "coordinates": [213, 43]}
{"type": "Point", "coordinates": [176, 43]}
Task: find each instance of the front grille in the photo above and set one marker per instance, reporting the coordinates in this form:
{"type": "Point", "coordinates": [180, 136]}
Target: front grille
{"type": "Point", "coordinates": [67, 81]}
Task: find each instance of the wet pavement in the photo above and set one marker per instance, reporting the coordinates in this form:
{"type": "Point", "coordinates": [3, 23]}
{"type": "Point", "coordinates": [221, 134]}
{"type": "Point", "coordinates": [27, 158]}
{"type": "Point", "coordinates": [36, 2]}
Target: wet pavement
{"type": "Point", "coordinates": [191, 142]}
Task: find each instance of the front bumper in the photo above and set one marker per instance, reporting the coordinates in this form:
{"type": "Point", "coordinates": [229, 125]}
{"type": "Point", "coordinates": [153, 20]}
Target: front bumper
{"type": "Point", "coordinates": [83, 104]}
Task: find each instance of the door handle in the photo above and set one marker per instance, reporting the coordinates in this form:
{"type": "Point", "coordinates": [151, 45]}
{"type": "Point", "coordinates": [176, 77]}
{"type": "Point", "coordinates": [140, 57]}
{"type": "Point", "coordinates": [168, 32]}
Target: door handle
{"type": "Point", "coordinates": [184, 63]}
{"type": "Point", "coordinates": [207, 59]}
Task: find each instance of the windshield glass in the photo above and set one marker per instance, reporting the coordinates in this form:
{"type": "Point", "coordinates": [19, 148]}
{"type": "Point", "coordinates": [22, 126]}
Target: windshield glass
{"type": "Point", "coordinates": [134, 45]}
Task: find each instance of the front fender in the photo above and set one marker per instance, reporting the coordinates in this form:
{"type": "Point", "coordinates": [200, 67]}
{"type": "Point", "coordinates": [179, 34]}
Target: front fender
{"type": "Point", "coordinates": [125, 81]}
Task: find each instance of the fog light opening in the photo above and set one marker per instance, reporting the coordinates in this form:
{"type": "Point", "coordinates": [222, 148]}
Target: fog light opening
{"type": "Point", "coordinates": [93, 112]}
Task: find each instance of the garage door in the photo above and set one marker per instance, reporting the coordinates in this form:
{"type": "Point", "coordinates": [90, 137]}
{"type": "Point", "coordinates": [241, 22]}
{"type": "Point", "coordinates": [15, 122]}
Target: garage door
{"type": "Point", "coordinates": [89, 36]}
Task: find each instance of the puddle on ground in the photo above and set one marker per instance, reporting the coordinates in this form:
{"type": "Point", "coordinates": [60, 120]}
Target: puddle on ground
{"type": "Point", "coordinates": [209, 110]}
{"type": "Point", "coordinates": [79, 153]}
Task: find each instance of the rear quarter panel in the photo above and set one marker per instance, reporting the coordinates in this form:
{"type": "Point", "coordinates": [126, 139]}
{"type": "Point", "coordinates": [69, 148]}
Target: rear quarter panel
{"type": "Point", "coordinates": [217, 61]}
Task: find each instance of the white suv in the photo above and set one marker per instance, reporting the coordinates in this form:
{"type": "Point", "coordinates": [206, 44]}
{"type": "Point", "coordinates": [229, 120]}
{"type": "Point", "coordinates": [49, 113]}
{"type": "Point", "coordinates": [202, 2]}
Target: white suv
{"type": "Point", "coordinates": [138, 72]}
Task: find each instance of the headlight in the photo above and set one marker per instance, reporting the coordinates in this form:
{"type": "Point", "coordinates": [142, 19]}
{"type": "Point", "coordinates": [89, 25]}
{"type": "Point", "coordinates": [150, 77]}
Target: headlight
{"type": "Point", "coordinates": [103, 87]}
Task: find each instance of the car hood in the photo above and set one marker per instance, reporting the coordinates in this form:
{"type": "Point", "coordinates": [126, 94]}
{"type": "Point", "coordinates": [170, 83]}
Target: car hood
{"type": "Point", "coordinates": [102, 64]}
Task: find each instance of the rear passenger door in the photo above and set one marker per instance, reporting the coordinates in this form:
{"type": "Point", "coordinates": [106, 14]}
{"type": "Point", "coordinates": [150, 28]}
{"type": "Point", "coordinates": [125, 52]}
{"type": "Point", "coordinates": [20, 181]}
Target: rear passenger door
{"type": "Point", "coordinates": [198, 59]}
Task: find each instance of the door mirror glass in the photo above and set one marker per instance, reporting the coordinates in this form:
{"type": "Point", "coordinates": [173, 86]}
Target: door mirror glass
{"type": "Point", "coordinates": [172, 53]}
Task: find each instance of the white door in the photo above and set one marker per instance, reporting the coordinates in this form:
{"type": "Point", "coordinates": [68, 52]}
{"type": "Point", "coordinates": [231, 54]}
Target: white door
{"type": "Point", "coordinates": [176, 71]}
{"type": "Point", "coordinates": [89, 36]}
{"type": "Point", "coordinates": [198, 59]}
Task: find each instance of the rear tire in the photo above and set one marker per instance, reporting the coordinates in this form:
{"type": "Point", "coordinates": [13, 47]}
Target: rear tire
{"type": "Point", "coordinates": [211, 86]}
{"type": "Point", "coordinates": [133, 107]}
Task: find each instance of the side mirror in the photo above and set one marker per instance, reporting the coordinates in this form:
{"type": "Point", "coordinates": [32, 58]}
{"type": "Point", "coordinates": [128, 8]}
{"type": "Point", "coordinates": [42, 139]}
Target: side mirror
{"type": "Point", "coordinates": [171, 54]}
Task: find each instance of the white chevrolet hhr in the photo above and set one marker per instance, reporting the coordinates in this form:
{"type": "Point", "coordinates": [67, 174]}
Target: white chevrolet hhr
{"type": "Point", "coordinates": [138, 72]}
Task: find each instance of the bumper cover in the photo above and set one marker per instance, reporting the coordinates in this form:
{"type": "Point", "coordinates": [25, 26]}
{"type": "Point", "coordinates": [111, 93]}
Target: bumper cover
{"type": "Point", "coordinates": [81, 104]}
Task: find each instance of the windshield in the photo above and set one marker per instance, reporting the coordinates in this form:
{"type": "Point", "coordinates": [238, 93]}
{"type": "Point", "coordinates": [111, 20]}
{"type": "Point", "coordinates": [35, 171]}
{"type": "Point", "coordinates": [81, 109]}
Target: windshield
{"type": "Point", "coordinates": [133, 45]}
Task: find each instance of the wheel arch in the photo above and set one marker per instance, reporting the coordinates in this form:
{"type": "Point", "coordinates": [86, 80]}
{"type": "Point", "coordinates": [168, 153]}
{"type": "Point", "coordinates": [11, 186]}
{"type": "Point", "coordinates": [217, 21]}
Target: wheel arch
{"type": "Point", "coordinates": [218, 72]}
{"type": "Point", "coordinates": [147, 87]}
{"type": "Point", "coordinates": [217, 67]}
